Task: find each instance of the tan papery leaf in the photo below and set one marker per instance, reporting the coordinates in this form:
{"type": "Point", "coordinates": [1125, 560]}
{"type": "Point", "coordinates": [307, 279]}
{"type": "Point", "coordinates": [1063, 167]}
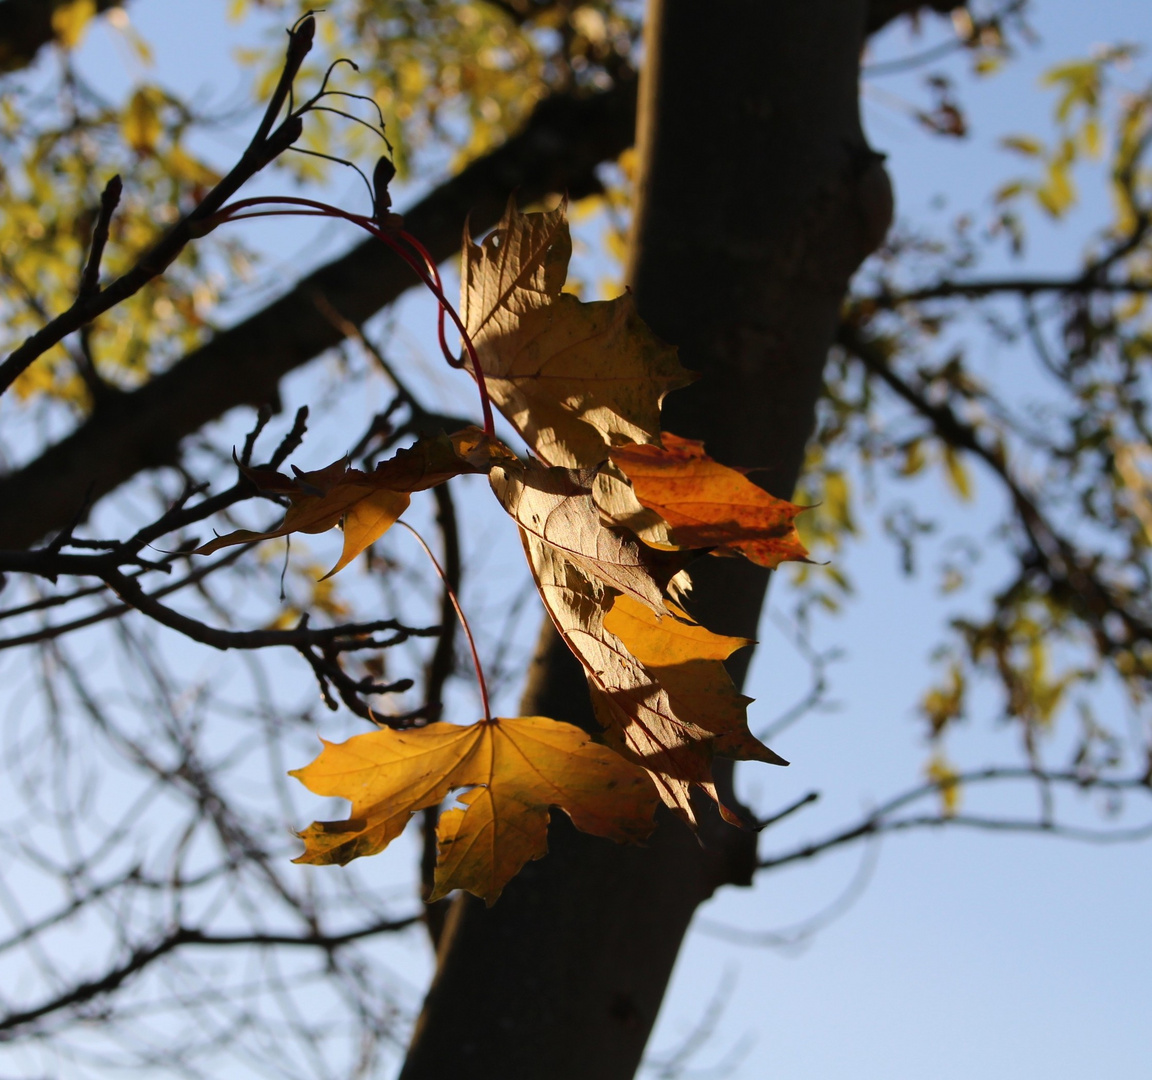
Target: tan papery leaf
{"type": "Point", "coordinates": [638, 714]}
{"type": "Point", "coordinates": [555, 506]}
{"type": "Point", "coordinates": [574, 379]}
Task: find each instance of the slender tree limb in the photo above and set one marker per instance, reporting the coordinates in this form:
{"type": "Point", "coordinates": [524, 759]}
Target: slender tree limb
{"type": "Point", "coordinates": [112, 611]}
{"type": "Point", "coordinates": [263, 148]}
{"type": "Point", "coordinates": [1021, 286]}
{"type": "Point", "coordinates": [881, 820]}
{"type": "Point", "coordinates": [109, 200]}
{"type": "Point", "coordinates": [1053, 551]}
{"type": "Point", "coordinates": [143, 957]}
{"type": "Point", "coordinates": [359, 635]}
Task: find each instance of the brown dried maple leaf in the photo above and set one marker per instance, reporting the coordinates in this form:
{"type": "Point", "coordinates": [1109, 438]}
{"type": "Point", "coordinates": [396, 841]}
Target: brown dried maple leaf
{"type": "Point", "coordinates": [574, 379]}
{"type": "Point", "coordinates": [366, 505]}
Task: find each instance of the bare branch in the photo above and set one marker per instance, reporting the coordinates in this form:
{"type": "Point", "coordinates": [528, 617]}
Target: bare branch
{"type": "Point", "coordinates": [109, 200]}
{"type": "Point", "coordinates": [144, 956]}
{"type": "Point", "coordinates": [92, 302]}
{"type": "Point", "coordinates": [882, 821]}
{"type": "Point", "coordinates": [1055, 554]}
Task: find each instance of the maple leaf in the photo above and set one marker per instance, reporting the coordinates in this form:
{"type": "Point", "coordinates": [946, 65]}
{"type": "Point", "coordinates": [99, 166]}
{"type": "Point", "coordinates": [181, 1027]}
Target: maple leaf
{"type": "Point", "coordinates": [366, 505]}
{"type": "Point", "coordinates": [706, 504]}
{"type": "Point", "coordinates": [517, 769]}
{"type": "Point", "coordinates": [574, 379]}
{"type": "Point", "coordinates": [555, 506]}
{"type": "Point", "coordinates": [688, 661]}
{"type": "Point", "coordinates": [672, 735]}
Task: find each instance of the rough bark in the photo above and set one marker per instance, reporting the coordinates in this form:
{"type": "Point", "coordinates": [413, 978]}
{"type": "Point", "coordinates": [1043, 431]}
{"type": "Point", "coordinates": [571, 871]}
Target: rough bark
{"type": "Point", "coordinates": [758, 198]}
{"type": "Point", "coordinates": [558, 150]}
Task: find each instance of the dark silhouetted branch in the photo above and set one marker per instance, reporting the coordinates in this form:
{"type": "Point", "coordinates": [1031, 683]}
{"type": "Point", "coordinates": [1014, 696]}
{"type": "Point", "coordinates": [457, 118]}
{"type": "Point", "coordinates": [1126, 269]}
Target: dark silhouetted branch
{"type": "Point", "coordinates": [883, 820]}
{"type": "Point", "coordinates": [263, 148]}
{"type": "Point", "coordinates": [144, 956]}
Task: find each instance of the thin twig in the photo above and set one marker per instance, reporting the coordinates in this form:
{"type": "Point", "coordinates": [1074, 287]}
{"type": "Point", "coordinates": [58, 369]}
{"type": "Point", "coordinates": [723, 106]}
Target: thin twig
{"type": "Point", "coordinates": [109, 200]}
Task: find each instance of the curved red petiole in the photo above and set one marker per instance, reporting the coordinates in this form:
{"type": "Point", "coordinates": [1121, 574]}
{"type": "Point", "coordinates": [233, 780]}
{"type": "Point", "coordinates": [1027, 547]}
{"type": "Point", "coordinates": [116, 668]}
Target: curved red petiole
{"type": "Point", "coordinates": [423, 266]}
{"type": "Point", "coordinates": [434, 271]}
{"type": "Point", "coordinates": [460, 616]}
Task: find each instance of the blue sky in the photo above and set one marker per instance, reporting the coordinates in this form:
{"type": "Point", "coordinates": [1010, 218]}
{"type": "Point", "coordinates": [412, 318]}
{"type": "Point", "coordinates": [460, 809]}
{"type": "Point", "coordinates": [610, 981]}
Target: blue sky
{"type": "Point", "coordinates": [965, 955]}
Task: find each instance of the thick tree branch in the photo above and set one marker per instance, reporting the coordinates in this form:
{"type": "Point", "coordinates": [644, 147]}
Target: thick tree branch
{"type": "Point", "coordinates": [757, 199]}
{"type": "Point", "coordinates": [882, 12]}
{"type": "Point", "coordinates": [559, 149]}
{"type": "Point", "coordinates": [26, 27]}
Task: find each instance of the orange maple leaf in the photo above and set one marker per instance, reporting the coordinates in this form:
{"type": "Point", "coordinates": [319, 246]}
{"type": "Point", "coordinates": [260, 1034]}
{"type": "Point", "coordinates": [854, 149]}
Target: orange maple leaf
{"type": "Point", "coordinates": [707, 504]}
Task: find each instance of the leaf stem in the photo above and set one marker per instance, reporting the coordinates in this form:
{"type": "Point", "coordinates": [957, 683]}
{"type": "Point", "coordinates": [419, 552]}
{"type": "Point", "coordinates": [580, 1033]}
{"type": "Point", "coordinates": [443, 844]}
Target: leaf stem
{"type": "Point", "coordinates": [445, 307]}
{"type": "Point", "coordinates": [428, 273]}
{"type": "Point", "coordinates": [430, 263]}
{"type": "Point", "coordinates": [460, 615]}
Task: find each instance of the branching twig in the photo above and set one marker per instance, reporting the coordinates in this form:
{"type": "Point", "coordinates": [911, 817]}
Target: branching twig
{"type": "Point", "coordinates": [144, 956]}
{"type": "Point", "coordinates": [109, 200]}
{"type": "Point", "coordinates": [263, 148]}
{"type": "Point", "coordinates": [882, 821]}
{"type": "Point", "coordinates": [1056, 554]}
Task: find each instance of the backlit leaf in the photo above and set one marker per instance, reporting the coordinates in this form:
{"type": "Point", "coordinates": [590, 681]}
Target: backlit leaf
{"type": "Point", "coordinates": [957, 474]}
{"type": "Point", "coordinates": [366, 504]}
{"type": "Point", "coordinates": [141, 124]}
{"type": "Point", "coordinates": [70, 20]}
{"type": "Point", "coordinates": [517, 769]}
{"type": "Point", "coordinates": [708, 504]}
{"type": "Point", "coordinates": [641, 718]}
{"type": "Point", "coordinates": [946, 778]}
{"type": "Point", "coordinates": [574, 379]}
{"type": "Point", "coordinates": [555, 507]}
{"type": "Point", "coordinates": [688, 662]}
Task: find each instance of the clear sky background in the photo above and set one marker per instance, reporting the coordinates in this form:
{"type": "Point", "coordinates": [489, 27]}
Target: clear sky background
{"type": "Point", "coordinates": [963, 955]}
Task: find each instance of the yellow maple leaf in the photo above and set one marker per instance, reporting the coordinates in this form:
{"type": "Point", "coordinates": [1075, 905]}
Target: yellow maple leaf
{"type": "Point", "coordinates": [574, 379]}
{"type": "Point", "coordinates": [688, 661]}
{"type": "Point", "coordinates": [517, 769]}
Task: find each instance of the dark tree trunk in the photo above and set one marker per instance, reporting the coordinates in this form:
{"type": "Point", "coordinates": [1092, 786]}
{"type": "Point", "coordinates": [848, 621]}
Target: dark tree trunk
{"type": "Point", "coordinates": [758, 199]}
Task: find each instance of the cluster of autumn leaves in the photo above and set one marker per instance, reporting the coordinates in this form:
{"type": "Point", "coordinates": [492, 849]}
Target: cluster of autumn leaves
{"type": "Point", "coordinates": [610, 511]}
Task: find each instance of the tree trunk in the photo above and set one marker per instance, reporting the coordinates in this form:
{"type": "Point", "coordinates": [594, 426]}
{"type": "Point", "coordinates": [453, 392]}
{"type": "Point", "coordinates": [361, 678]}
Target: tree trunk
{"type": "Point", "coordinates": [758, 198]}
